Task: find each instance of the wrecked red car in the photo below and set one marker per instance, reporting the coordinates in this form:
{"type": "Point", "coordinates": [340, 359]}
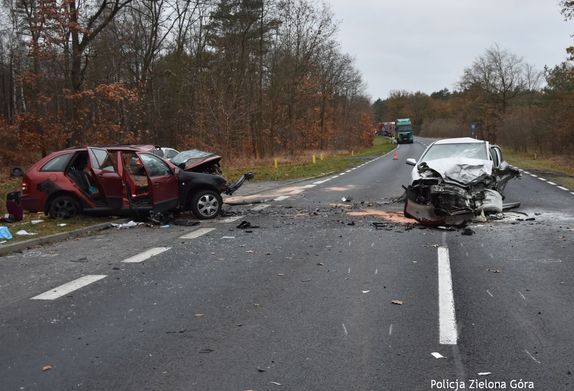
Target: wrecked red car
{"type": "Point", "coordinates": [120, 180]}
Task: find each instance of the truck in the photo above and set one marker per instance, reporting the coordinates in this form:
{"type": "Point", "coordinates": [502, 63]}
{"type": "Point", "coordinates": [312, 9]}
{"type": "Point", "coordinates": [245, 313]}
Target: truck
{"type": "Point", "coordinates": [404, 132]}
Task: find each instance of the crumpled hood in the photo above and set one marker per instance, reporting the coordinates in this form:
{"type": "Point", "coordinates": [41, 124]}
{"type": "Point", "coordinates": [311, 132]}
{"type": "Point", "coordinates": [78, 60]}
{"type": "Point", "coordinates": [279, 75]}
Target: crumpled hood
{"type": "Point", "coordinates": [464, 170]}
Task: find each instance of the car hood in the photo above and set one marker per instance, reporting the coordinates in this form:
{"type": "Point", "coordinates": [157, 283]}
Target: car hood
{"type": "Point", "coordinates": [462, 170]}
{"type": "Point", "coordinates": [194, 158]}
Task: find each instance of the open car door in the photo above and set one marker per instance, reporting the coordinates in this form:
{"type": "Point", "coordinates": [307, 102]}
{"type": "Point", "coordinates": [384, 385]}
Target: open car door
{"type": "Point", "coordinates": [164, 183]}
{"type": "Point", "coordinates": [108, 181]}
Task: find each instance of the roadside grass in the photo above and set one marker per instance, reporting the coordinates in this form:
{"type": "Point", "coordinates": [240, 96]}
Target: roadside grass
{"type": "Point", "coordinates": [559, 169]}
{"type": "Point", "coordinates": [302, 166]}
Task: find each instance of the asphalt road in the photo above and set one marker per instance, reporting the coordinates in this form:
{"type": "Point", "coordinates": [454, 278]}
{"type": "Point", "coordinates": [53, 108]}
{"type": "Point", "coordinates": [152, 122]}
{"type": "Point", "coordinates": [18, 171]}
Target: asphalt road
{"type": "Point", "coordinates": [315, 298]}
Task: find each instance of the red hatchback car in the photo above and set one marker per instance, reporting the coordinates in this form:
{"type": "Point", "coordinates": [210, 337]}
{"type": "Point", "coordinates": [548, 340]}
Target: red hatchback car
{"type": "Point", "coordinates": [118, 181]}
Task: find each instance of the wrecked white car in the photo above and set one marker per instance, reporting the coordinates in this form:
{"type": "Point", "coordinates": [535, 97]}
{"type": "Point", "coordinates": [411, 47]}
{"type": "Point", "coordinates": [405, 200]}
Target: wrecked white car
{"type": "Point", "coordinates": [455, 180]}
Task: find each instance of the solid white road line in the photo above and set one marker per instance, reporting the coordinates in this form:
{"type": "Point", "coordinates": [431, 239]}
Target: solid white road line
{"type": "Point", "coordinates": [281, 198]}
{"type": "Point", "coordinates": [197, 233]}
{"type": "Point", "coordinates": [231, 219]}
{"type": "Point", "coordinates": [146, 255]}
{"type": "Point", "coordinates": [71, 286]}
{"type": "Point", "coordinates": [448, 334]}
{"type": "Point", "coordinates": [260, 207]}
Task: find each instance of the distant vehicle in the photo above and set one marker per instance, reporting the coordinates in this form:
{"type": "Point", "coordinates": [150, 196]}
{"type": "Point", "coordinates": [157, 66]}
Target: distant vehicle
{"type": "Point", "coordinates": [404, 131]}
{"type": "Point", "coordinates": [455, 180]}
{"type": "Point", "coordinates": [119, 180]}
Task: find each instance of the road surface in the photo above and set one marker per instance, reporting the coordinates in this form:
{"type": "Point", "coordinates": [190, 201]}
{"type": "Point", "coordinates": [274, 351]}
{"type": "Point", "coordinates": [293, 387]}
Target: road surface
{"type": "Point", "coordinates": [315, 298]}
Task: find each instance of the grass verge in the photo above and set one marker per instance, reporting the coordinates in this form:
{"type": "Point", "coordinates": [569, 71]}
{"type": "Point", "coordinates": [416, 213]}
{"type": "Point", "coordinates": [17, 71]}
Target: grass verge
{"type": "Point", "coordinates": [559, 169]}
{"type": "Point", "coordinates": [302, 166]}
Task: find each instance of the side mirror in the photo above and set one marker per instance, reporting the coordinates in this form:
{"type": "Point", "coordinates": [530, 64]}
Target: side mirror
{"type": "Point", "coordinates": [411, 162]}
{"type": "Point", "coordinates": [16, 172]}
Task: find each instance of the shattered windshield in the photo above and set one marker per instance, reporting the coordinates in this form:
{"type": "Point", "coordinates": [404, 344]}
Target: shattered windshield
{"type": "Point", "coordinates": [184, 156]}
{"type": "Point", "coordinates": [468, 150]}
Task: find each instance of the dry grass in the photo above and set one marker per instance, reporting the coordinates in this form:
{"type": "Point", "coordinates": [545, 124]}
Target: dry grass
{"type": "Point", "coordinates": [559, 168]}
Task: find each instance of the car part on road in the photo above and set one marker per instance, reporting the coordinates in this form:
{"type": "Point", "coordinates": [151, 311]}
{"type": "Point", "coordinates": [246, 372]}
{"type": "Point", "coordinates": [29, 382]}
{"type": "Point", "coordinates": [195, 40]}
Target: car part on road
{"type": "Point", "coordinates": [246, 225]}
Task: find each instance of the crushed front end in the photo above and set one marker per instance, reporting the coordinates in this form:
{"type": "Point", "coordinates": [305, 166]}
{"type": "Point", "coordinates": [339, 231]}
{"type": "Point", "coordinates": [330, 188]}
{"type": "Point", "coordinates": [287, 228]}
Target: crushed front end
{"type": "Point", "coordinates": [437, 200]}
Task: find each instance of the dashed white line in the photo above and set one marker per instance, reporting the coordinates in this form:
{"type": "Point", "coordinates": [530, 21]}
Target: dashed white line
{"type": "Point", "coordinates": [448, 334]}
{"type": "Point", "coordinates": [71, 286]}
{"type": "Point", "coordinates": [543, 179]}
{"type": "Point", "coordinates": [197, 233]}
{"type": "Point", "coordinates": [551, 183]}
{"type": "Point", "coordinates": [309, 186]}
{"type": "Point", "coordinates": [260, 207]}
{"type": "Point", "coordinates": [231, 219]}
{"type": "Point", "coordinates": [534, 176]}
{"type": "Point", "coordinates": [572, 192]}
{"type": "Point", "coordinates": [321, 182]}
{"type": "Point", "coordinates": [281, 198]}
{"type": "Point", "coordinates": [563, 188]}
{"type": "Point", "coordinates": [146, 255]}
{"type": "Point", "coordinates": [391, 329]}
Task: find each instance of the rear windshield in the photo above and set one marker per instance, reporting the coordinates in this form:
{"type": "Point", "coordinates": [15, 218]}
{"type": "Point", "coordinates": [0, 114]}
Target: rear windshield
{"type": "Point", "coordinates": [468, 150]}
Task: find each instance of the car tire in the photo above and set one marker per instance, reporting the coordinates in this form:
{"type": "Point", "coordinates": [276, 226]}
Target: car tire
{"type": "Point", "coordinates": [206, 204]}
{"type": "Point", "coordinates": [64, 207]}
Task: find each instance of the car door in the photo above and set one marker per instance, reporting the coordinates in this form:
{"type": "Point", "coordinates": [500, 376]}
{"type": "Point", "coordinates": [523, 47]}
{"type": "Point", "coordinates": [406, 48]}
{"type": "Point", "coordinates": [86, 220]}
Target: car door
{"type": "Point", "coordinates": [164, 183]}
{"type": "Point", "coordinates": [109, 182]}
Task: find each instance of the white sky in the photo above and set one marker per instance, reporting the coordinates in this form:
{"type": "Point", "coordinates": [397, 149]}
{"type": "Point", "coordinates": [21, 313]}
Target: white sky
{"type": "Point", "coordinates": [424, 45]}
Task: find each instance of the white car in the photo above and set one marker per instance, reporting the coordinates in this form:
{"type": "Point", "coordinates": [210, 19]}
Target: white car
{"type": "Point", "coordinates": [456, 179]}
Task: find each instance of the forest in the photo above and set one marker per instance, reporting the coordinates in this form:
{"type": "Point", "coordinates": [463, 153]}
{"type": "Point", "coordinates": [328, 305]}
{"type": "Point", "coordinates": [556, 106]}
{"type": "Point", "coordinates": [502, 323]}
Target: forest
{"type": "Point", "coordinates": [243, 78]}
{"type": "Point", "coordinates": [503, 98]}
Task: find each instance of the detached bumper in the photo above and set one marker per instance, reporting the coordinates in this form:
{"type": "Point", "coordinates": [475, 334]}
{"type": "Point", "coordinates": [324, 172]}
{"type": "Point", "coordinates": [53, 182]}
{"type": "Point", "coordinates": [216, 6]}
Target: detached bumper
{"type": "Point", "coordinates": [232, 188]}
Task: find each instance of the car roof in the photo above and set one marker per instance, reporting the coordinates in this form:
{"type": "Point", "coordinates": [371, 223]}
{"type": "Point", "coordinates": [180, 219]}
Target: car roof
{"type": "Point", "coordinates": [460, 140]}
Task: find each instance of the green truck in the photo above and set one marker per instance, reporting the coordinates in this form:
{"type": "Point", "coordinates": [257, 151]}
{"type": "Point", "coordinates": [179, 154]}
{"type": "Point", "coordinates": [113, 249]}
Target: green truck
{"type": "Point", "coordinates": [404, 131]}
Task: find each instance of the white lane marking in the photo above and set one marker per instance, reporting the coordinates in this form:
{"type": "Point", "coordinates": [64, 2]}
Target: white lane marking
{"type": "Point", "coordinates": [231, 219]}
{"type": "Point", "coordinates": [484, 373]}
{"type": "Point", "coordinates": [228, 237]}
{"type": "Point", "coordinates": [572, 192]}
{"type": "Point", "coordinates": [348, 171]}
{"type": "Point", "coordinates": [309, 186]}
{"type": "Point", "coordinates": [345, 329]}
{"type": "Point", "coordinates": [534, 176]}
{"type": "Point", "coordinates": [391, 329]}
{"type": "Point", "coordinates": [349, 271]}
{"type": "Point", "coordinates": [321, 182]}
{"type": "Point", "coordinates": [281, 198]}
{"type": "Point", "coordinates": [551, 183]}
{"type": "Point", "coordinates": [521, 295]}
{"type": "Point", "coordinates": [69, 287]}
{"type": "Point", "coordinates": [334, 177]}
{"type": "Point", "coordinates": [563, 188]}
{"type": "Point", "coordinates": [260, 207]}
{"type": "Point", "coordinates": [197, 233]}
{"type": "Point", "coordinates": [543, 179]}
{"type": "Point", "coordinates": [532, 357]}
{"type": "Point", "coordinates": [490, 294]}
{"type": "Point", "coordinates": [146, 255]}
{"type": "Point", "coordinates": [448, 334]}
{"type": "Point", "coordinates": [437, 355]}
{"type": "Point", "coordinates": [376, 271]}
{"type": "Point", "coordinates": [526, 172]}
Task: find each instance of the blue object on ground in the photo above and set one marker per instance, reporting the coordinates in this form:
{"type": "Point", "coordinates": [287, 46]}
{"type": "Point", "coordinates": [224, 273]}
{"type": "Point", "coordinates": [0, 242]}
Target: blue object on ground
{"type": "Point", "coordinates": [5, 233]}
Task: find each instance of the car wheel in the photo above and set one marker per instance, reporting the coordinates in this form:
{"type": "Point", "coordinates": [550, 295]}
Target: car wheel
{"type": "Point", "coordinates": [64, 207]}
{"type": "Point", "coordinates": [206, 204]}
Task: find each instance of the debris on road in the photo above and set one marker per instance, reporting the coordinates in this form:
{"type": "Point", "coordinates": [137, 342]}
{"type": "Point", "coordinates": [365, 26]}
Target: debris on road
{"type": "Point", "coordinates": [36, 221]}
{"type": "Point", "coordinates": [347, 199]}
{"type": "Point", "coordinates": [46, 368]}
{"type": "Point", "coordinates": [246, 225]}
{"type": "Point", "coordinates": [206, 350]}
{"type": "Point", "coordinates": [437, 355]}
{"type": "Point", "coordinates": [468, 232]}
{"type": "Point", "coordinates": [397, 302]}
{"type": "Point", "coordinates": [186, 222]}
{"type": "Point", "coordinates": [391, 216]}
{"type": "Point", "coordinates": [484, 373]}
{"type": "Point", "coordinates": [493, 270]}
{"type": "Point", "coordinates": [129, 224]}
{"type": "Point", "coordinates": [275, 383]}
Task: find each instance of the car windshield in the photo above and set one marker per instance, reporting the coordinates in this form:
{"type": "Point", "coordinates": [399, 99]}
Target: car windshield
{"type": "Point", "coordinates": [466, 150]}
{"type": "Point", "coordinates": [184, 156]}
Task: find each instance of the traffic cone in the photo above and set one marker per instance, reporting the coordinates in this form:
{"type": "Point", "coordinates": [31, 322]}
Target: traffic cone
{"type": "Point", "coordinates": [396, 155]}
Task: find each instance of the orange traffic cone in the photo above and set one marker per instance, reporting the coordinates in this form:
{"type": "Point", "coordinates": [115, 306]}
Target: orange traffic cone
{"type": "Point", "coordinates": [396, 155]}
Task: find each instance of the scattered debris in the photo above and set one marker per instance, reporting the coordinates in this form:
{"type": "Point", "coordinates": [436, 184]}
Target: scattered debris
{"type": "Point", "coordinates": [46, 368]}
{"type": "Point", "coordinates": [5, 233]}
{"type": "Point", "coordinates": [493, 270]}
{"type": "Point", "coordinates": [347, 199]}
{"type": "Point", "coordinates": [397, 302]}
{"type": "Point", "coordinates": [129, 224]}
{"type": "Point", "coordinates": [394, 217]}
{"type": "Point", "coordinates": [246, 225]}
{"type": "Point", "coordinates": [468, 232]}
{"type": "Point", "coordinates": [23, 232]}
{"type": "Point", "coordinates": [199, 315]}
{"type": "Point", "coordinates": [206, 350]}
{"type": "Point", "coordinates": [274, 383]}
{"type": "Point", "coordinates": [61, 225]}
{"type": "Point", "coordinates": [484, 373]}
{"type": "Point", "coordinates": [367, 291]}
{"type": "Point", "coordinates": [437, 355]}
{"type": "Point", "coordinates": [261, 370]}
{"type": "Point", "coordinates": [306, 280]}
{"type": "Point", "coordinates": [228, 237]}
{"type": "Point", "coordinates": [36, 221]}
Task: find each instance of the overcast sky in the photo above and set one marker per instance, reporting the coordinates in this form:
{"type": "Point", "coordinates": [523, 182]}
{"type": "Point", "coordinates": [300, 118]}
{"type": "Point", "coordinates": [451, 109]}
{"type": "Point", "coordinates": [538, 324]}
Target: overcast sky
{"type": "Point", "coordinates": [424, 45]}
